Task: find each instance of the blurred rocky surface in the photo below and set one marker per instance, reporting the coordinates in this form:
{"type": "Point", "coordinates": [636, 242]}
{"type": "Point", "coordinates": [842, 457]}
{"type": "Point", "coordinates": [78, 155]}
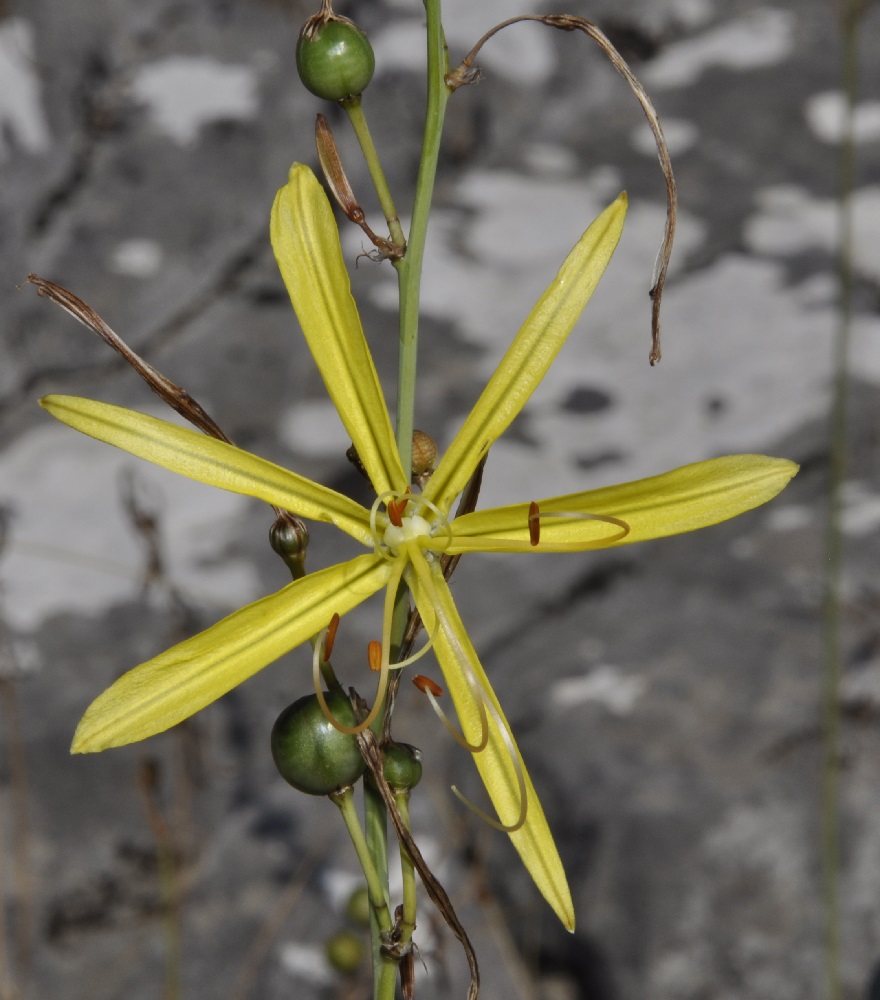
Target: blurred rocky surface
{"type": "Point", "coordinates": [666, 696]}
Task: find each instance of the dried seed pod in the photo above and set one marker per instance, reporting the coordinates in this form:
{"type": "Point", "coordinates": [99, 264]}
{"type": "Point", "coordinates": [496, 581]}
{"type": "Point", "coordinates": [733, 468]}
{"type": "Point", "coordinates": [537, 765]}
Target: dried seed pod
{"type": "Point", "coordinates": [424, 457]}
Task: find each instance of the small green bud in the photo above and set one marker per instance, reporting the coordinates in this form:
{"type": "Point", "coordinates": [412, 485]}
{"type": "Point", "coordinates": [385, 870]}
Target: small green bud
{"type": "Point", "coordinates": [401, 766]}
{"type": "Point", "coordinates": [334, 57]}
{"type": "Point", "coordinates": [289, 538]}
{"type": "Point", "coordinates": [345, 952]}
{"type": "Point", "coordinates": [310, 752]}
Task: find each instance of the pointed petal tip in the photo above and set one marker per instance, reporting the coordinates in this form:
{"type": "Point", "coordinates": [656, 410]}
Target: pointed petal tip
{"type": "Point", "coordinates": [82, 744]}
{"type": "Point", "coordinates": [562, 905]}
{"type": "Point", "coordinates": [301, 173]}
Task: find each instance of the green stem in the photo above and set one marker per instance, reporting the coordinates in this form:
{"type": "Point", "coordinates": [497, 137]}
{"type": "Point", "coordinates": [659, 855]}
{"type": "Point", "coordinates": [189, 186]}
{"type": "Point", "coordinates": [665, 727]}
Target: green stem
{"type": "Point", "coordinates": [839, 431]}
{"type": "Point", "coordinates": [386, 981]}
{"type": "Point", "coordinates": [409, 271]}
{"type": "Point", "coordinates": [378, 903]}
{"type": "Point", "coordinates": [409, 268]}
{"type": "Point", "coordinates": [355, 112]}
{"type": "Point", "coordinates": [376, 826]}
{"type": "Point", "coordinates": [408, 873]}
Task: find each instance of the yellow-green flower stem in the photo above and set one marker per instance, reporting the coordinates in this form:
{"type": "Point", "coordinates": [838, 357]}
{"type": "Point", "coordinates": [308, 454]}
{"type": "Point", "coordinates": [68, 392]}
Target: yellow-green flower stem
{"type": "Point", "coordinates": [376, 835]}
{"type": "Point", "coordinates": [344, 799]}
{"type": "Point", "coordinates": [407, 871]}
{"type": "Point", "coordinates": [409, 268]}
{"type": "Point", "coordinates": [354, 109]}
{"type": "Point", "coordinates": [386, 979]}
{"type": "Point", "coordinates": [409, 272]}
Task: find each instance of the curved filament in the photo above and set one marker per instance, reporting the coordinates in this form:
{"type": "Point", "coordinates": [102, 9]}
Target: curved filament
{"type": "Point", "coordinates": [442, 520]}
{"type": "Point", "coordinates": [378, 548]}
{"type": "Point", "coordinates": [512, 753]}
{"type": "Point", "coordinates": [535, 515]}
{"type": "Point", "coordinates": [422, 570]}
{"type": "Point", "coordinates": [384, 666]}
{"type": "Point", "coordinates": [429, 642]}
{"type": "Point", "coordinates": [449, 726]}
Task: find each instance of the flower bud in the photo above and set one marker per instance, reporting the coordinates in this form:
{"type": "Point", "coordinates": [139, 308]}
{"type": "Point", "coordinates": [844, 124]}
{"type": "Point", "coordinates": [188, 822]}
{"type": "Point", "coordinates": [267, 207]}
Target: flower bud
{"type": "Point", "coordinates": [289, 538]}
{"type": "Point", "coordinates": [334, 57]}
{"type": "Point", "coordinates": [401, 766]}
{"type": "Point", "coordinates": [310, 752]}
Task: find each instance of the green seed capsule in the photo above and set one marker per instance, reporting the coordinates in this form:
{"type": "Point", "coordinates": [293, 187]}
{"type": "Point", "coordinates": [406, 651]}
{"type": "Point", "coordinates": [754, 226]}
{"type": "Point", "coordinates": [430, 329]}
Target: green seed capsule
{"type": "Point", "coordinates": [310, 753]}
{"type": "Point", "coordinates": [345, 952]}
{"type": "Point", "coordinates": [334, 57]}
{"type": "Point", "coordinates": [357, 909]}
{"type": "Point", "coordinates": [401, 765]}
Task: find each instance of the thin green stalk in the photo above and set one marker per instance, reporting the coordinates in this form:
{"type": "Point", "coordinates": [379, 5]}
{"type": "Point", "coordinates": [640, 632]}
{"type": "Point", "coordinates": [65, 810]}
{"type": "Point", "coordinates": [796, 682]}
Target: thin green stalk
{"type": "Point", "coordinates": [378, 902]}
{"type": "Point", "coordinates": [376, 835]}
{"type": "Point", "coordinates": [839, 431]}
{"type": "Point", "coordinates": [409, 269]}
{"type": "Point", "coordinates": [354, 109]}
{"type": "Point", "coordinates": [386, 980]}
{"type": "Point", "coordinates": [408, 873]}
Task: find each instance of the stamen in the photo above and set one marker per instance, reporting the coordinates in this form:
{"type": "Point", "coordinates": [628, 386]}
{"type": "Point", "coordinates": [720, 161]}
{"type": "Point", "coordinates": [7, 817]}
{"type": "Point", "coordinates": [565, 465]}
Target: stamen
{"type": "Point", "coordinates": [396, 508]}
{"type": "Point", "coordinates": [423, 572]}
{"type": "Point", "coordinates": [484, 703]}
{"type": "Point", "coordinates": [384, 667]}
{"type": "Point", "coordinates": [534, 524]}
{"type": "Point", "coordinates": [374, 655]}
{"type": "Point", "coordinates": [512, 753]}
{"type": "Point", "coordinates": [425, 684]}
{"type": "Point", "coordinates": [577, 515]}
{"type": "Point", "coordinates": [442, 520]}
{"type": "Point", "coordinates": [432, 692]}
{"type": "Point", "coordinates": [319, 652]}
{"type": "Point", "coordinates": [330, 636]}
{"type": "Point", "coordinates": [417, 655]}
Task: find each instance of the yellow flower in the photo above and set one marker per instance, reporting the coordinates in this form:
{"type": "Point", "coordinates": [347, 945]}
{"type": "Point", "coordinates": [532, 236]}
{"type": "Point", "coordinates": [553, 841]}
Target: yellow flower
{"type": "Point", "coordinates": [404, 534]}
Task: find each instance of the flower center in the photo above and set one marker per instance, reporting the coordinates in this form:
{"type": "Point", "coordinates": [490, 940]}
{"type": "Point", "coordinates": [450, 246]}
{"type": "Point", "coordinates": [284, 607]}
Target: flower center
{"type": "Point", "coordinates": [409, 529]}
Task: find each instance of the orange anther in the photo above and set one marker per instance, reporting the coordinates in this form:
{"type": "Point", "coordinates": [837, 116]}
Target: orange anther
{"type": "Point", "coordinates": [534, 524]}
{"type": "Point", "coordinates": [396, 508]}
{"type": "Point", "coordinates": [374, 655]}
{"type": "Point", "coordinates": [330, 638]}
{"type": "Point", "coordinates": [425, 685]}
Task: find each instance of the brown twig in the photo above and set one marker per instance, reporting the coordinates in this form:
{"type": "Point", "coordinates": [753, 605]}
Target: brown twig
{"type": "Point", "coordinates": [177, 398]}
{"type": "Point", "coordinates": [465, 74]}
{"type": "Point", "coordinates": [174, 395]}
{"type": "Point", "coordinates": [337, 181]}
{"type": "Point", "coordinates": [372, 754]}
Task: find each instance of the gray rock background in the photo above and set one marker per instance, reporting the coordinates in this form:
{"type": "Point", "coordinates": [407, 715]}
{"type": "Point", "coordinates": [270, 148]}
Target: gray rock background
{"type": "Point", "coordinates": [666, 696]}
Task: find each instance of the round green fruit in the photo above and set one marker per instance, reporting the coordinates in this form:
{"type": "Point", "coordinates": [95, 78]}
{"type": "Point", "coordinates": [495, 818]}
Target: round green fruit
{"type": "Point", "coordinates": [310, 752]}
{"type": "Point", "coordinates": [334, 58]}
{"type": "Point", "coordinates": [401, 766]}
{"type": "Point", "coordinates": [345, 952]}
{"type": "Point", "coordinates": [357, 909]}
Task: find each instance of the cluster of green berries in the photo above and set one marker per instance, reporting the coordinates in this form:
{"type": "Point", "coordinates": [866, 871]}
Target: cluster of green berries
{"type": "Point", "coordinates": [316, 758]}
